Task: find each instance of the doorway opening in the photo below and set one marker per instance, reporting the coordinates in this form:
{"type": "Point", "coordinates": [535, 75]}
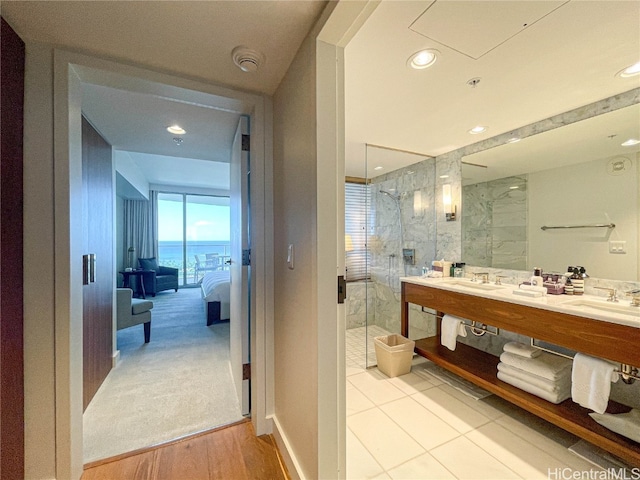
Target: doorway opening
{"type": "Point", "coordinates": [182, 381]}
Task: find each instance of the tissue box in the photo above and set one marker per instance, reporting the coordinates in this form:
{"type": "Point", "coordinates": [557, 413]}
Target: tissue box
{"type": "Point", "coordinates": [442, 266]}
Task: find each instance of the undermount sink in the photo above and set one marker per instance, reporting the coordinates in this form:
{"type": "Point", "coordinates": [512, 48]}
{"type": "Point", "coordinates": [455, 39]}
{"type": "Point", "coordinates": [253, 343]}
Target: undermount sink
{"type": "Point", "coordinates": [478, 286]}
{"type": "Point", "coordinates": [607, 307]}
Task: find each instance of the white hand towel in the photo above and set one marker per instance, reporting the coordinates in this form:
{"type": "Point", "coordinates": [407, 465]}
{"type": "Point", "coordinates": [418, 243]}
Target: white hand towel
{"type": "Point", "coordinates": [450, 329]}
{"type": "Point", "coordinates": [557, 397]}
{"type": "Point", "coordinates": [522, 349]}
{"type": "Point", "coordinates": [591, 382]}
{"type": "Point", "coordinates": [547, 365]}
{"type": "Point", "coordinates": [551, 386]}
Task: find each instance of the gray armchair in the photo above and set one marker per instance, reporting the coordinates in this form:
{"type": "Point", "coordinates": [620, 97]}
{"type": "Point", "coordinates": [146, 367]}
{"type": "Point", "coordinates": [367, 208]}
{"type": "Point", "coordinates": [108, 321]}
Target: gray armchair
{"type": "Point", "coordinates": [132, 311]}
{"type": "Point", "coordinates": [157, 278]}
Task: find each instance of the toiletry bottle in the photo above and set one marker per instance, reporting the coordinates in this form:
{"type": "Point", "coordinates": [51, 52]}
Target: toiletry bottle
{"type": "Point", "coordinates": [536, 279]}
{"type": "Point", "coordinates": [568, 286]}
{"type": "Point", "coordinates": [458, 270]}
{"type": "Point", "coordinates": [578, 282]}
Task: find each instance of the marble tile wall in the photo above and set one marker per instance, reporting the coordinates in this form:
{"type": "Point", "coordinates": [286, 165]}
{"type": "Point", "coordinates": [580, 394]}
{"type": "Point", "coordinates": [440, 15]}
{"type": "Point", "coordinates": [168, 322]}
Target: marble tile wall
{"type": "Point", "coordinates": [494, 223]}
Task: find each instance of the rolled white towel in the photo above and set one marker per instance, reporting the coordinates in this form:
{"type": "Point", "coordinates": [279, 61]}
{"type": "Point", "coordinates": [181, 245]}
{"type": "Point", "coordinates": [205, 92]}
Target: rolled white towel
{"type": "Point", "coordinates": [522, 349]}
{"type": "Point", "coordinates": [450, 329]}
{"type": "Point", "coordinates": [556, 397]}
{"type": "Point", "coordinates": [591, 382]}
{"type": "Point", "coordinates": [551, 386]}
{"type": "Point", "coordinates": [547, 365]}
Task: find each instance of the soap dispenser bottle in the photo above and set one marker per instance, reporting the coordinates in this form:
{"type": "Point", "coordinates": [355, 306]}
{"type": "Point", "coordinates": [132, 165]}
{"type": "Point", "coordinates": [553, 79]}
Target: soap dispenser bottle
{"type": "Point", "coordinates": [578, 282]}
{"type": "Point", "coordinates": [536, 279]}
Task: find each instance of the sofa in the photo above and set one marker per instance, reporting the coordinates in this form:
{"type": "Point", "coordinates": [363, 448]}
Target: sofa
{"type": "Point", "coordinates": [132, 311]}
{"type": "Point", "coordinates": [157, 278]}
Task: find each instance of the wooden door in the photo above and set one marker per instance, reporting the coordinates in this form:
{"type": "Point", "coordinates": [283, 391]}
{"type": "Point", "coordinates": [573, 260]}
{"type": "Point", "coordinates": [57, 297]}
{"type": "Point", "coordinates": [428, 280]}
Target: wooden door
{"type": "Point", "coordinates": [11, 326]}
{"type": "Point", "coordinates": [97, 225]}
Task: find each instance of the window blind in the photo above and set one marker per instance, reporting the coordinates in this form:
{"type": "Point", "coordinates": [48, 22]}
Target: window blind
{"type": "Point", "coordinates": [357, 203]}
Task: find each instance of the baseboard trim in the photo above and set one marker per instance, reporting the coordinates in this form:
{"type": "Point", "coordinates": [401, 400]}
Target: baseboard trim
{"type": "Point", "coordinates": [284, 446]}
{"type": "Point", "coordinates": [115, 358]}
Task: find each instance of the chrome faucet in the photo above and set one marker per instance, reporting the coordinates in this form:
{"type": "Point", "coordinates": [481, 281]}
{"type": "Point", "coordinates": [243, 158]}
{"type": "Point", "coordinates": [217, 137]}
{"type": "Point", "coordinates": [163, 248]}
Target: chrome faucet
{"type": "Point", "coordinates": [613, 293]}
{"type": "Point", "coordinates": [498, 277]}
{"type": "Point", "coordinates": [484, 276]}
{"type": "Point", "coordinates": [635, 297]}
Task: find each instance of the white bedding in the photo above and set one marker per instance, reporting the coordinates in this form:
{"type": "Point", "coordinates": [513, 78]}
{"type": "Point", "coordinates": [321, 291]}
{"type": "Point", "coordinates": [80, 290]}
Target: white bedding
{"type": "Point", "coordinates": [215, 287]}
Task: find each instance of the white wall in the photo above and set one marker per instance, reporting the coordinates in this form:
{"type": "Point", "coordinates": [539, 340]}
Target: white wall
{"type": "Point", "coordinates": [39, 371]}
{"type": "Point", "coordinates": [565, 196]}
{"type": "Point", "coordinates": [295, 343]}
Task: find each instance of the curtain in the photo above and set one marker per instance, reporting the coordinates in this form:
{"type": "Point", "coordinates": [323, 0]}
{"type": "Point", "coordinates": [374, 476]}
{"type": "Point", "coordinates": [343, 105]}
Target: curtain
{"type": "Point", "coordinates": [140, 229]}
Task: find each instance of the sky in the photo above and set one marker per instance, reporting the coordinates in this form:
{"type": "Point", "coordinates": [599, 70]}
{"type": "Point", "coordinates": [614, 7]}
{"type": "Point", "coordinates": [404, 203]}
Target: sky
{"type": "Point", "coordinates": [205, 222]}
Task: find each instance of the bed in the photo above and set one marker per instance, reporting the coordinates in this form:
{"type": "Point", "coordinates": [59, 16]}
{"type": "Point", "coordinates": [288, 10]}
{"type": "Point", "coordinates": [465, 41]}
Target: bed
{"type": "Point", "coordinates": [215, 289]}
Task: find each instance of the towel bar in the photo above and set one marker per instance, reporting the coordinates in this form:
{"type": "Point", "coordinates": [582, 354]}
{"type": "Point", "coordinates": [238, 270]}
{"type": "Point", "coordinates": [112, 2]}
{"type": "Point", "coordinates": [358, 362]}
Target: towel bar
{"type": "Point", "coordinates": [477, 326]}
{"type": "Point", "coordinates": [628, 373]}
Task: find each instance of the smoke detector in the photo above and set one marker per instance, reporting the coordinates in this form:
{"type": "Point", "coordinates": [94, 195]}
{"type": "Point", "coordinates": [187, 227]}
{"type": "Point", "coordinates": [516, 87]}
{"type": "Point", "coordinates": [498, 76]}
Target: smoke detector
{"type": "Point", "coordinates": [246, 59]}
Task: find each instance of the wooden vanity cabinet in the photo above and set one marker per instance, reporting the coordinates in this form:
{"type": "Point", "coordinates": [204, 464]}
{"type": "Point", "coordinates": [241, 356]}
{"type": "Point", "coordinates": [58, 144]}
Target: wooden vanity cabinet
{"type": "Point", "coordinates": [619, 343]}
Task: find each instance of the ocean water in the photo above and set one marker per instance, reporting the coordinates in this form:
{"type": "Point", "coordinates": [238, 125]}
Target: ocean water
{"type": "Point", "coordinates": [170, 252]}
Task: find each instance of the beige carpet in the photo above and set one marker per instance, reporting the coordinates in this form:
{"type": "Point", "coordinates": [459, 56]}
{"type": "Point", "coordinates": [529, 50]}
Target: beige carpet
{"type": "Point", "coordinates": [179, 383]}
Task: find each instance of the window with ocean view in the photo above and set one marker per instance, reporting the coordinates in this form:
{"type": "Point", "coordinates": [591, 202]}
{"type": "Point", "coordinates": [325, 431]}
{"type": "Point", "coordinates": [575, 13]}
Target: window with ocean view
{"type": "Point", "coordinates": [193, 234]}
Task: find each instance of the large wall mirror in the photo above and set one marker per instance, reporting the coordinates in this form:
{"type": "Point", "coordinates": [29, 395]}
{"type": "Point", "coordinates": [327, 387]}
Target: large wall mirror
{"type": "Point", "coordinates": [567, 196]}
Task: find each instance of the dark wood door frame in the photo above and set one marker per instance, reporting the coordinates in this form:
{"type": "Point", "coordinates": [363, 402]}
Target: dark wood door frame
{"type": "Point", "coordinates": [12, 57]}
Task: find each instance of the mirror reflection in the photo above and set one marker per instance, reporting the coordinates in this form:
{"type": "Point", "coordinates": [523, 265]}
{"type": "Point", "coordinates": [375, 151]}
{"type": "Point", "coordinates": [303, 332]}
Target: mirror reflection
{"type": "Point", "coordinates": [583, 175]}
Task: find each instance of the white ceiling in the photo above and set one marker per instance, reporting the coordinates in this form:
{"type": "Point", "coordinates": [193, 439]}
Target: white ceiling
{"type": "Point", "coordinates": [565, 57]}
{"type": "Point", "coordinates": [190, 38]}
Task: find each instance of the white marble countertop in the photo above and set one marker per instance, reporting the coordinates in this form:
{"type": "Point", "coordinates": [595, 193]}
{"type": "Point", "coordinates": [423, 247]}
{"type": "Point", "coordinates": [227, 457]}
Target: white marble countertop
{"type": "Point", "coordinates": [589, 306]}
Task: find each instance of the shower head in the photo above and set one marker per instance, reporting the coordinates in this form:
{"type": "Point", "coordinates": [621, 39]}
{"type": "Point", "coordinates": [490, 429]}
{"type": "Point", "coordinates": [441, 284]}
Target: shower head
{"type": "Point", "coordinates": [395, 196]}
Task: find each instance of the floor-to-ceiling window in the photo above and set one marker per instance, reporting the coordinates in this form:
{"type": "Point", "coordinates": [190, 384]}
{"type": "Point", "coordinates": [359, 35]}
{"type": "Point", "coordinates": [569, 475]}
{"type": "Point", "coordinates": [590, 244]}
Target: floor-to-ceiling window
{"type": "Point", "coordinates": [193, 234]}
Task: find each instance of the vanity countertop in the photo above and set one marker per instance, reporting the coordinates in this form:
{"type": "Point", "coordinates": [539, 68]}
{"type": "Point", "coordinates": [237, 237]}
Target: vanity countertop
{"type": "Point", "coordinates": [588, 306]}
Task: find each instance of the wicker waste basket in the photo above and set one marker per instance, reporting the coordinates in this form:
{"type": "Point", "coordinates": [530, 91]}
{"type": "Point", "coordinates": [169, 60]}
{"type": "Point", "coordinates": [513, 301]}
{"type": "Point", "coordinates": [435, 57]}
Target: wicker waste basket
{"type": "Point", "coordinates": [394, 353]}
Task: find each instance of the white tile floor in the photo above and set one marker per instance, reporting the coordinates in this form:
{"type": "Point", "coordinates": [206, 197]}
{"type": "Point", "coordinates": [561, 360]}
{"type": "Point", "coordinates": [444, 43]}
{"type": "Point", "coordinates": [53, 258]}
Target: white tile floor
{"type": "Point", "coordinates": [416, 427]}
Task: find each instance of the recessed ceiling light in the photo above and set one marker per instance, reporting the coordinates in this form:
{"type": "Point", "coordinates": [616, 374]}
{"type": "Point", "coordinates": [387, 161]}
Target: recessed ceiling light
{"type": "Point", "coordinates": [630, 71]}
{"type": "Point", "coordinates": [378, 168]}
{"type": "Point", "coordinates": [176, 130]}
{"type": "Point", "coordinates": [630, 143]}
{"type": "Point", "coordinates": [477, 130]}
{"type": "Point", "coordinates": [422, 59]}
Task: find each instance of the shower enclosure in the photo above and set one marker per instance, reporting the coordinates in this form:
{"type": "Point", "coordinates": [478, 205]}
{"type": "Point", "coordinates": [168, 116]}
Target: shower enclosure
{"type": "Point", "coordinates": [393, 235]}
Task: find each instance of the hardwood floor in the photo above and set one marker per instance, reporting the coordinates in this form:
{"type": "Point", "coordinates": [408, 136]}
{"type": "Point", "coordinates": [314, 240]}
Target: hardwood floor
{"type": "Point", "coordinates": [232, 452]}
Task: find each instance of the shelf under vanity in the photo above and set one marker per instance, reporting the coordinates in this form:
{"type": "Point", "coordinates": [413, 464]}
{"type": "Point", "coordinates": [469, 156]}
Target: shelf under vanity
{"type": "Point", "coordinates": [542, 320]}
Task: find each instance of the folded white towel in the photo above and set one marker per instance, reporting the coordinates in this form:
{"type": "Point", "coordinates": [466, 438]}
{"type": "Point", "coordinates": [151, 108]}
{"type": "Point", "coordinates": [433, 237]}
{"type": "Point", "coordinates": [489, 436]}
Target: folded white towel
{"type": "Point", "coordinates": [522, 349]}
{"type": "Point", "coordinates": [556, 397]}
{"type": "Point", "coordinates": [547, 365]}
{"type": "Point", "coordinates": [591, 381]}
{"type": "Point", "coordinates": [450, 329]}
{"type": "Point", "coordinates": [551, 386]}
{"type": "Point", "coordinates": [534, 288]}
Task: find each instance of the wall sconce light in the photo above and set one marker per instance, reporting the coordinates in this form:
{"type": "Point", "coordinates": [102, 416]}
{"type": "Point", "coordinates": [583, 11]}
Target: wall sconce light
{"type": "Point", "coordinates": [449, 209]}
